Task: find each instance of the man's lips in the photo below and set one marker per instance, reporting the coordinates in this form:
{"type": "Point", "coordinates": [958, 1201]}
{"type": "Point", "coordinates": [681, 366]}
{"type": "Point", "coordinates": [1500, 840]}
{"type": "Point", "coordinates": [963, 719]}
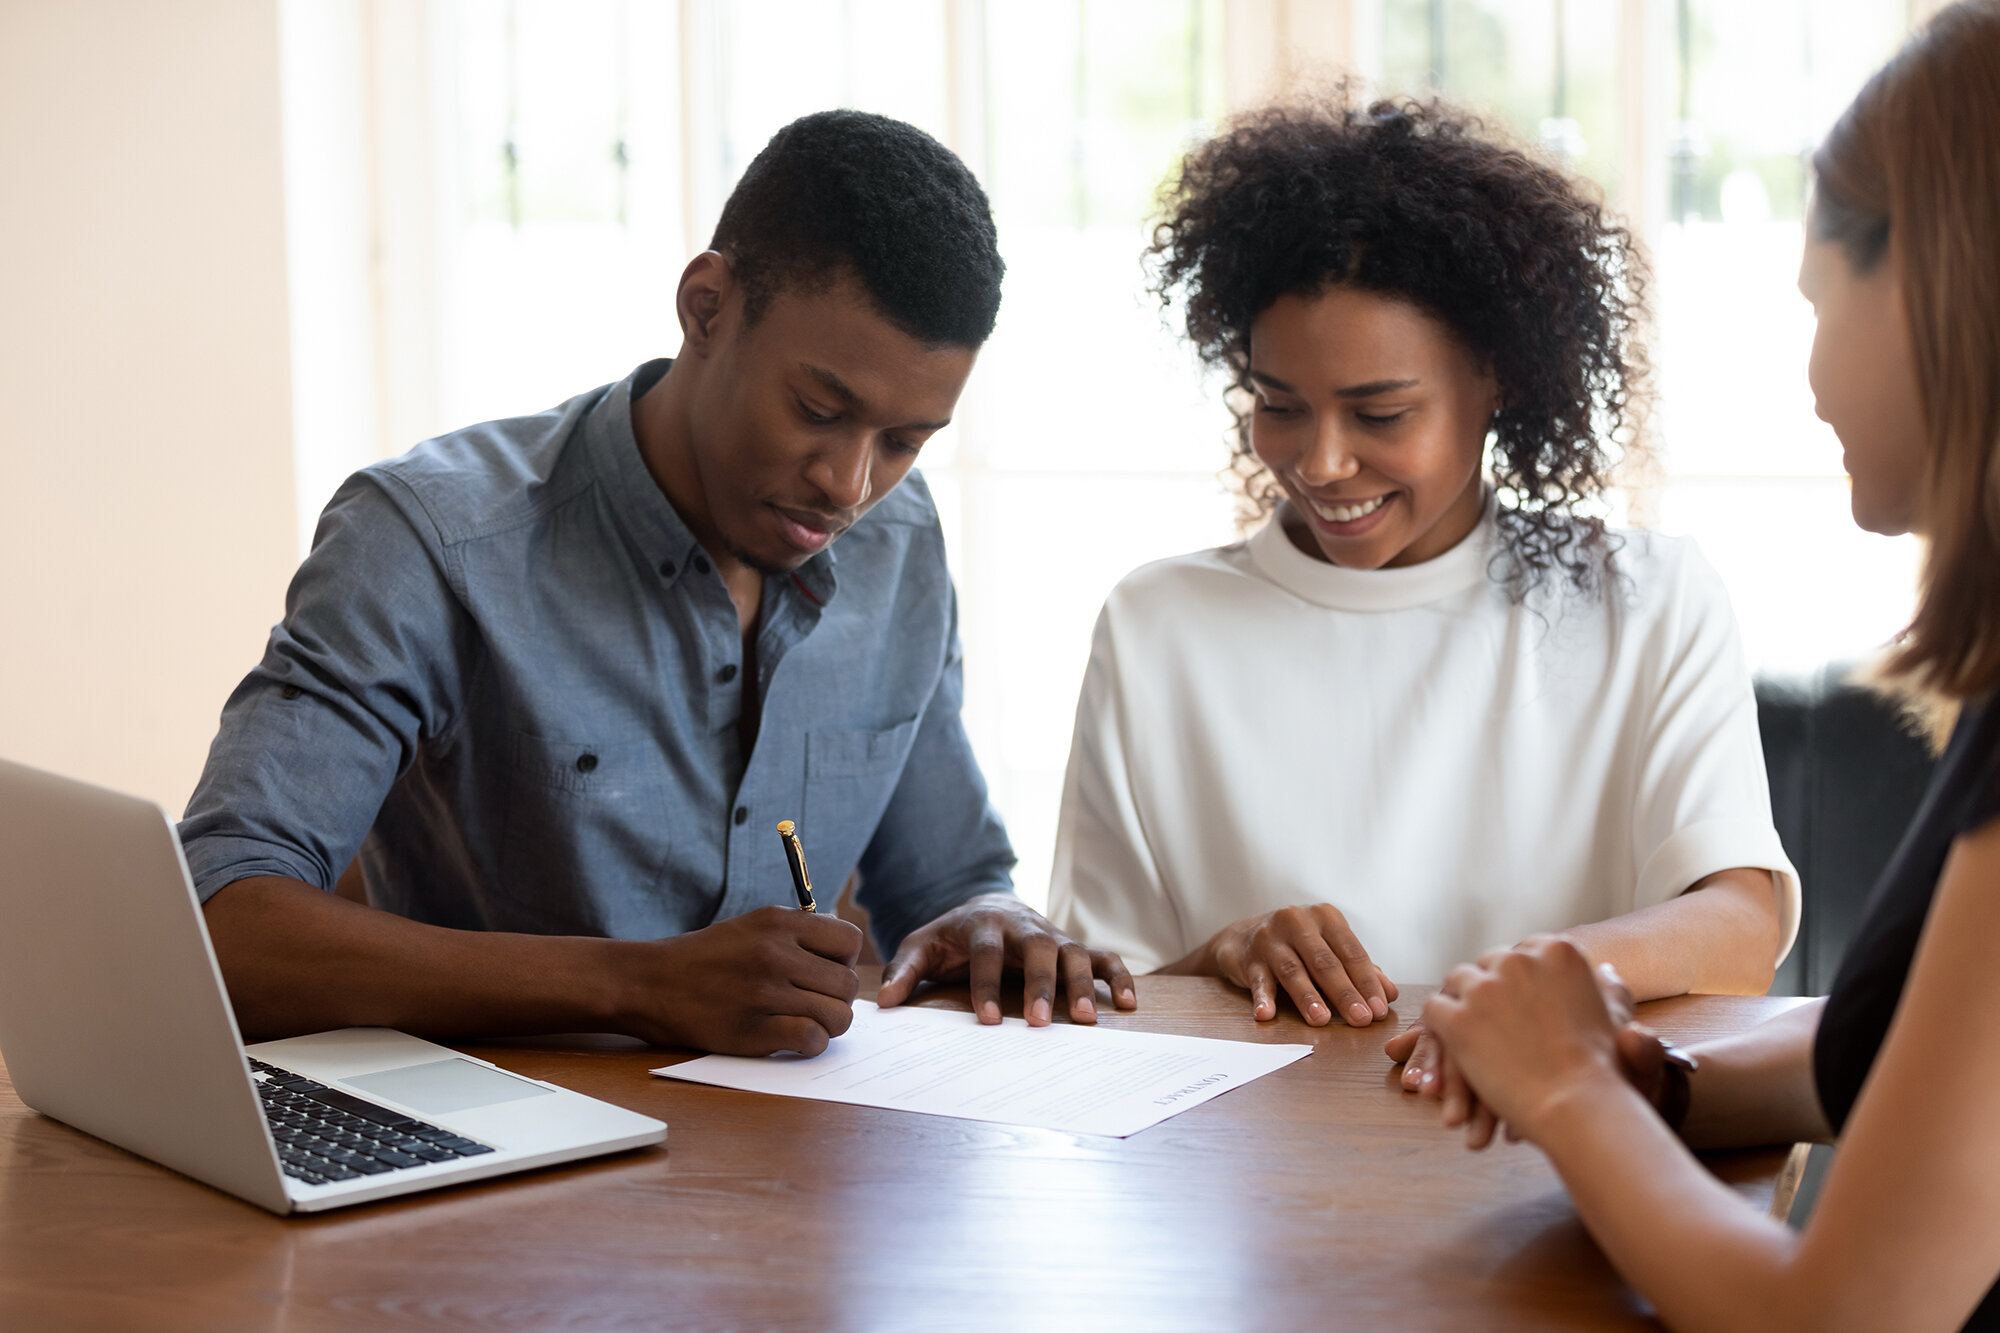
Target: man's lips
{"type": "Point", "coordinates": [807, 530]}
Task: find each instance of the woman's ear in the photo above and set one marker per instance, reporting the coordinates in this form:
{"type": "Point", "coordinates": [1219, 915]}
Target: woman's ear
{"type": "Point", "coordinates": [706, 285]}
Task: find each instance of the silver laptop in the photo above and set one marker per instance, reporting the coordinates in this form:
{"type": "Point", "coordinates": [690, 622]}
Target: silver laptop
{"type": "Point", "coordinates": [113, 1019]}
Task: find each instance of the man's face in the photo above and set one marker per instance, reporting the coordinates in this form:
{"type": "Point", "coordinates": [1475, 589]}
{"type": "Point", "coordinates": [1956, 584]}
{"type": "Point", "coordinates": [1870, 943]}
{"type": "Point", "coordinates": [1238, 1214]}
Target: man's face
{"type": "Point", "coordinates": [809, 416]}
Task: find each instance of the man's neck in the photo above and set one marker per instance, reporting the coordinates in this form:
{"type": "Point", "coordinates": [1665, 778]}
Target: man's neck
{"type": "Point", "coordinates": [660, 423]}
{"type": "Point", "coordinates": [661, 426]}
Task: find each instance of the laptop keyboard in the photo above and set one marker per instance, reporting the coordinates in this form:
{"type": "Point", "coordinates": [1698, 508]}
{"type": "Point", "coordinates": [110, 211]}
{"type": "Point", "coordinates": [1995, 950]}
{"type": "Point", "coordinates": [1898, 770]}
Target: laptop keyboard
{"type": "Point", "coordinates": [324, 1134]}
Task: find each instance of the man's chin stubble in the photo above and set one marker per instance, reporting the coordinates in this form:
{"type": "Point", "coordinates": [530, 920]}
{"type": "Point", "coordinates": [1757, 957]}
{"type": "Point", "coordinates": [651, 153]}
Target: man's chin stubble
{"type": "Point", "coordinates": [769, 569]}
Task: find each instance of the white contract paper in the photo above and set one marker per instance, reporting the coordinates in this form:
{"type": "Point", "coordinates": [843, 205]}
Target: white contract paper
{"type": "Point", "coordinates": [1085, 1080]}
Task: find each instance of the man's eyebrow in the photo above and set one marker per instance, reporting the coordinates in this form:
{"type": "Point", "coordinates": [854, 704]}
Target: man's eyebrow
{"type": "Point", "coordinates": [1373, 387]}
{"type": "Point", "coordinates": [1271, 381]}
{"type": "Point", "coordinates": [848, 398]}
{"type": "Point", "coordinates": [833, 384]}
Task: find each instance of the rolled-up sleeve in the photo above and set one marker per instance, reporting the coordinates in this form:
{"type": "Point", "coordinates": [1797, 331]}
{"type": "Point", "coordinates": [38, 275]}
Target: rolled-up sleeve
{"type": "Point", "coordinates": [1701, 800]}
{"type": "Point", "coordinates": [940, 842]}
{"type": "Point", "coordinates": [367, 664]}
{"type": "Point", "coordinates": [1105, 888]}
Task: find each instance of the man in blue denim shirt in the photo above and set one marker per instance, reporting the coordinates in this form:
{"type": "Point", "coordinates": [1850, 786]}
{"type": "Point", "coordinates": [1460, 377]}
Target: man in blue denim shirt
{"type": "Point", "coordinates": [556, 679]}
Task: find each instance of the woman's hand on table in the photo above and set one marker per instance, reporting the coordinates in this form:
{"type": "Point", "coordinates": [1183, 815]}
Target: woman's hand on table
{"type": "Point", "coordinates": [1523, 1031]}
{"type": "Point", "coordinates": [1308, 951]}
{"type": "Point", "coordinates": [1642, 1054]}
{"type": "Point", "coordinates": [1421, 1054]}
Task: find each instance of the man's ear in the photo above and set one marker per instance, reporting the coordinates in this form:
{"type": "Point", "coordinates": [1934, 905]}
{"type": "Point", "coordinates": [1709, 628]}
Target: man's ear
{"type": "Point", "coordinates": [707, 284]}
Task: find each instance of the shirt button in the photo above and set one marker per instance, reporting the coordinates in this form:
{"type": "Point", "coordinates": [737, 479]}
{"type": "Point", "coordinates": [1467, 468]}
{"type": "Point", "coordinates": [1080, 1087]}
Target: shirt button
{"type": "Point", "coordinates": [586, 762]}
{"type": "Point", "coordinates": [742, 813]}
{"type": "Point", "coordinates": [701, 563]}
{"type": "Point", "coordinates": [727, 674]}
{"type": "Point", "coordinates": [290, 692]}
{"type": "Point", "coordinates": [666, 569]}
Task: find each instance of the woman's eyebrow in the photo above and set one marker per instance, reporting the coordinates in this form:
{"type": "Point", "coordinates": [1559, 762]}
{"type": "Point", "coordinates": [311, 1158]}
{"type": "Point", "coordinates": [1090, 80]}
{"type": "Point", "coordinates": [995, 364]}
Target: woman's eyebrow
{"type": "Point", "coordinates": [1373, 387]}
{"type": "Point", "coordinates": [1368, 390]}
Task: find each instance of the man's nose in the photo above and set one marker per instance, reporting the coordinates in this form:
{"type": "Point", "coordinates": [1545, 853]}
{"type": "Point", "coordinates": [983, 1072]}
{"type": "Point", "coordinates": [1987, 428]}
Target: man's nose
{"type": "Point", "coordinates": [842, 473]}
{"type": "Point", "coordinates": [1329, 460]}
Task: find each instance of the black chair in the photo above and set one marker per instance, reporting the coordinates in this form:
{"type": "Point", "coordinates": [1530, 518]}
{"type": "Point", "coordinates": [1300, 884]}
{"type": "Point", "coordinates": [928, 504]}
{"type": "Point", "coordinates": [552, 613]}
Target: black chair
{"type": "Point", "coordinates": [1846, 777]}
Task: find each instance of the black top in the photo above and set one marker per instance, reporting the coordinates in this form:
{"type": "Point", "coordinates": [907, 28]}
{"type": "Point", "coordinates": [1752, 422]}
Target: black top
{"type": "Point", "coordinates": [1964, 794]}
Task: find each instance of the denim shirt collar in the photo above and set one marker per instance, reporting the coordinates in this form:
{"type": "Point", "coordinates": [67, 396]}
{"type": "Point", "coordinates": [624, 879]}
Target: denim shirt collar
{"type": "Point", "coordinates": [644, 508]}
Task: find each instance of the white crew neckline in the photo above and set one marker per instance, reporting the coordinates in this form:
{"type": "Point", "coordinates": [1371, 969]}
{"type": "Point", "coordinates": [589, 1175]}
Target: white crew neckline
{"type": "Point", "coordinates": [1338, 588]}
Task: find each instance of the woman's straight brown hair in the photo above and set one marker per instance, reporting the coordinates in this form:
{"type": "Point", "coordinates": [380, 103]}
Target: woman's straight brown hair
{"type": "Point", "coordinates": [1911, 174]}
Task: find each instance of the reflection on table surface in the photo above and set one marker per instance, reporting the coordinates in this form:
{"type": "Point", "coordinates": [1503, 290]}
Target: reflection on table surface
{"type": "Point", "coordinates": [1321, 1188]}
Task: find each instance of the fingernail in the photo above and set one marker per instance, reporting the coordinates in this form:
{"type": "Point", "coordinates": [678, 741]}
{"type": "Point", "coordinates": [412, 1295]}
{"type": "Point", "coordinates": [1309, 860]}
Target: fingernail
{"type": "Point", "coordinates": [1427, 1078]}
{"type": "Point", "coordinates": [1378, 1006]}
{"type": "Point", "coordinates": [989, 1012]}
{"type": "Point", "coordinates": [1041, 1013]}
{"type": "Point", "coordinates": [1360, 1012]}
{"type": "Point", "coordinates": [1316, 1010]}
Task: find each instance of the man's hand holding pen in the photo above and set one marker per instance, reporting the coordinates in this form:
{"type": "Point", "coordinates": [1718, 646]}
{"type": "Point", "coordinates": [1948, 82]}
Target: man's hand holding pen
{"type": "Point", "coordinates": [781, 979]}
{"type": "Point", "coordinates": [776, 979]}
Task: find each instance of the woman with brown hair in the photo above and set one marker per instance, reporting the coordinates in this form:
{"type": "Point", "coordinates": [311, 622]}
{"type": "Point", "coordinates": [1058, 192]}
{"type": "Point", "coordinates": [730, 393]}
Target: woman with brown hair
{"type": "Point", "coordinates": [1902, 1060]}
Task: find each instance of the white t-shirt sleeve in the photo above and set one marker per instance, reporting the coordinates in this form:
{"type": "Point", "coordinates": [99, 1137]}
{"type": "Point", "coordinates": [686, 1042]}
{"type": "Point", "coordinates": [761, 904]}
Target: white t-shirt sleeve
{"type": "Point", "coordinates": [1701, 802]}
{"type": "Point", "coordinates": [1105, 889]}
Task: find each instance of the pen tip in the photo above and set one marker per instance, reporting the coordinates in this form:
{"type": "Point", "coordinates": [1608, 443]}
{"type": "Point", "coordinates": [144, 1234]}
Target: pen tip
{"type": "Point", "coordinates": [784, 826]}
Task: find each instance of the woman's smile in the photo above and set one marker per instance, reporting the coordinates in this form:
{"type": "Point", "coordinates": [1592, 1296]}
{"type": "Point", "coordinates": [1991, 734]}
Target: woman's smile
{"type": "Point", "coordinates": [1350, 518]}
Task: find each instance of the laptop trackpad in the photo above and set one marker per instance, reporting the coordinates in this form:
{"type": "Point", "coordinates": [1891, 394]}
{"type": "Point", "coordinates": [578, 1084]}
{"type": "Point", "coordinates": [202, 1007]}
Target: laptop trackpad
{"type": "Point", "coordinates": [444, 1086]}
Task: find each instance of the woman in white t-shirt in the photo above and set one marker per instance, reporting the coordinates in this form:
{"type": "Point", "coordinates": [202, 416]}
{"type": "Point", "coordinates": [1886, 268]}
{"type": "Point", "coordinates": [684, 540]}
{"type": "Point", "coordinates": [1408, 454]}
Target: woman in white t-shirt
{"type": "Point", "coordinates": [1433, 705]}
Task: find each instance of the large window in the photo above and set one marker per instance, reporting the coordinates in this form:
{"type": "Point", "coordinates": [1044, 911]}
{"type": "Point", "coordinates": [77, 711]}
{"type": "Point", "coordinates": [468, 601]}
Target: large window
{"type": "Point", "coordinates": [1748, 469]}
{"type": "Point", "coordinates": [1697, 118]}
{"type": "Point", "coordinates": [575, 152]}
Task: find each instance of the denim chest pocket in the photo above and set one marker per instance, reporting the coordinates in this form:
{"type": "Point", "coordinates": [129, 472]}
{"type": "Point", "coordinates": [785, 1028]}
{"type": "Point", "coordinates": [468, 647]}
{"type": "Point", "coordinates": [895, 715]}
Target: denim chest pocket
{"type": "Point", "coordinates": [853, 754]}
{"type": "Point", "coordinates": [586, 825]}
{"type": "Point", "coordinates": [850, 776]}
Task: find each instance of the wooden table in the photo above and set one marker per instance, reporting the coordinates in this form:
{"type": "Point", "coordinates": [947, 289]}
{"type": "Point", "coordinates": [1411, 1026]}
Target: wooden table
{"type": "Point", "coordinates": [1317, 1197]}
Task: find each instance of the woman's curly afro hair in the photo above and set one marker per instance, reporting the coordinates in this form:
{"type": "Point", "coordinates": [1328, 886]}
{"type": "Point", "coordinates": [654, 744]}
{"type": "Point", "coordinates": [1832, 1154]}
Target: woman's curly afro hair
{"type": "Point", "coordinates": [1417, 200]}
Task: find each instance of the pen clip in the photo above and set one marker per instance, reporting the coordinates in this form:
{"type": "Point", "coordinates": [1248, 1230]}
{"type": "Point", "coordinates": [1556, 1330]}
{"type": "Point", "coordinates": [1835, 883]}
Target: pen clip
{"type": "Point", "coordinates": [795, 856]}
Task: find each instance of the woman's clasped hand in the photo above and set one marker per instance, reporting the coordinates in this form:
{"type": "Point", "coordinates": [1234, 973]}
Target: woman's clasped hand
{"type": "Point", "coordinates": [1524, 1028]}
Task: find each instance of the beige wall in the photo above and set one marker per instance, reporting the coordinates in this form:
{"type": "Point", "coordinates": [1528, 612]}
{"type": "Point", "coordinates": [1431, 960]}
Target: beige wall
{"type": "Point", "coordinates": [146, 508]}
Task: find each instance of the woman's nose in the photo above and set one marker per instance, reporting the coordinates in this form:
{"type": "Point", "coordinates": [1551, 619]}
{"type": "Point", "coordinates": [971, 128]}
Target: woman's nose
{"type": "Point", "coordinates": [1329, 460]}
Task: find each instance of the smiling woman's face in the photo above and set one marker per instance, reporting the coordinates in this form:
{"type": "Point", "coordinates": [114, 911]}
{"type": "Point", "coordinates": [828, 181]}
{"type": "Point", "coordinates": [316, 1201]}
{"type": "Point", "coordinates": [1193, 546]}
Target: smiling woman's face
{"type": "Point", "coordinates": [1373, 417]}
{"type": "Point", "coordinates": [1864, 382]}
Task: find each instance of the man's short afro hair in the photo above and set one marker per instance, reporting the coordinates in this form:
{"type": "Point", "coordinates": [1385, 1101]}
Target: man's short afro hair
{"type": "Point", "coordinates": [849, 190]}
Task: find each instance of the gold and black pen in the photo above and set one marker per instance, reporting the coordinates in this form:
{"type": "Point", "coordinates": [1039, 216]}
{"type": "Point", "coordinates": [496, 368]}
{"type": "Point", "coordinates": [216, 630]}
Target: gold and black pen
{"type": "Point", "coordinates": [795, 857]}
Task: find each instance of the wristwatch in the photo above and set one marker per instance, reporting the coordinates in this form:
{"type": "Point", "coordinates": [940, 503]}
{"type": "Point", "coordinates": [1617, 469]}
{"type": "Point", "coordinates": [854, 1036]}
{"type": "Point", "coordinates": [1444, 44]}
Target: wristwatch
{"type": "Point", "coordinates": [1674, 1091]}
